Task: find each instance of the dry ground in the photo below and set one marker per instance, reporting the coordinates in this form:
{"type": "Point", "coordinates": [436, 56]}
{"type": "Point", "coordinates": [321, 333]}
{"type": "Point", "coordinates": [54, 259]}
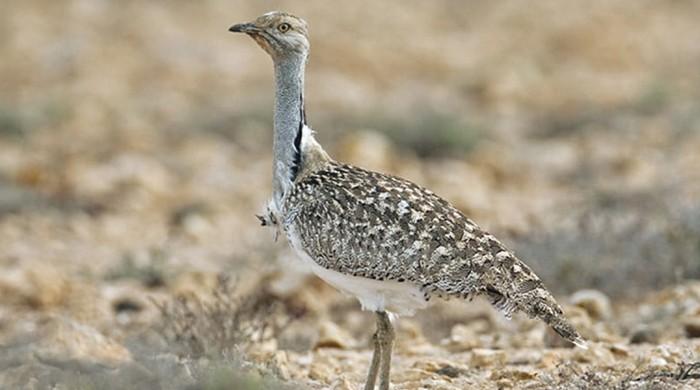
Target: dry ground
{"type": "Point", "coordinates": [134, 153]}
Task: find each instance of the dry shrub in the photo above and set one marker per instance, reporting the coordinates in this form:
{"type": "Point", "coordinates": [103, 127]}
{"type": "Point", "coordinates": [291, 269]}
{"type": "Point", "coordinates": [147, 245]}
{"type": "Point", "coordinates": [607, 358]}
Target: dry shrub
{"type": "Point", "coordinates": [214, 333]}
{"type": "Point", "coordinates": [221, 324]}
{"type": "Point", "coordinates": [681, 376]}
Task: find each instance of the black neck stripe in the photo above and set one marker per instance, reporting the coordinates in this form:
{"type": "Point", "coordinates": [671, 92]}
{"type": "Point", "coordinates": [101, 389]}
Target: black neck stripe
{"type": "Point", "coordinates": [296, 161]}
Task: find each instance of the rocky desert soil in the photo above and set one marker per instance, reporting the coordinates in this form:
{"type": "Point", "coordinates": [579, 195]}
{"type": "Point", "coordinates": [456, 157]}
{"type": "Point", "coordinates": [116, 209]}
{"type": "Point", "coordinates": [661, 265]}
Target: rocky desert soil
{"type": "Point", "coordinates": [135, 152]}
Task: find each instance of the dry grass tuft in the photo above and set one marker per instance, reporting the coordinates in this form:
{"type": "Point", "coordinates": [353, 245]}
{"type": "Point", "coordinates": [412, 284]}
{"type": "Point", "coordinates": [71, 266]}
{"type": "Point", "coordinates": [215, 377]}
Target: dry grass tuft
{"type": "Point", "coordinates": [215, 333]}
{"type": "Point", "coordinates": [568, 377]}
{"type": "Point", "coordinates": [222, 324]}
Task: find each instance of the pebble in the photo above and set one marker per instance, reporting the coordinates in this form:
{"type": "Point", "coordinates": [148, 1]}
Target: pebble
{"type": "Point", "coordinates": [594, 302]}
{"type": "Point", "coordinates": [644, 334]}
{"type": "Point", "coordinates": [333, 336]}
{"type": "Point", "coordinates": [658, 362]}
{"type": "Point", "coordinates": [487, 357]}
{"type": "Point", "coordinates": [69, 344]}
{"type": "Point", "coordinates": [465, 336]}
{"type": "Point", "coordinates": [692, 327]}
{"type": "Point", "coordinates": [596, 352]}
{"type": "Point", "coordinates": [517, 374]}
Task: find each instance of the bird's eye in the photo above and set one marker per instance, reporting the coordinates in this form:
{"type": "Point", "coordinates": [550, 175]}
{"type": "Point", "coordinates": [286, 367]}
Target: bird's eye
{"type": "Point", "coordinates": [284, 27]}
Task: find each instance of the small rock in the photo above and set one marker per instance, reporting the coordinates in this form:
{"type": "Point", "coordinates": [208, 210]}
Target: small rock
{"type": "Point", "coordinates": [595, 353]}
{"type": "Point", "coordinates": [482, 357]}
{"type": "Point", "coordinates": [450, 371]}
{"type": "Point", "coordinates": [410, 375]}
{"type": "Point", "coordinates": [179, 215]}
{"type": "Point", "coordinates": [669, 352]}
{"type": "Point", "coordinates": [620, 350]}
{"type": "Point", "coordinates": [39, 285]}
{"type": "Point", "coordinates": [692, 327]}
{"type": "Point", "coordinates": [321, 371]}
{"type": "Point", "coordinates": [525, 356]}
{"type": "Point", "coordinates": [594, 302]}
{"type": "Point", "coordinates": [644, 334]}
{"type": "Point", "coordinates": [65, 343]}
{"type": "Point", "coordinates": [128, 303]}
{"type": "Point", "coordinates": [342, 384]}
{"type": "Point", "coordinates": [410, 332]}
{"type": "Point", "coordinates": [429, 365]}
{"type": "Point", "coordinates": [197, 226]}
{"type": "Point", "coordinates": [550, 359]}
{"type": "Point", "coordinates": [194, 283]}
{"type": "Point", "coordinates": [410, 340]}
{"type": "Point", "coordinates": [658, 362]}
{"type": "Point", "coordinates": [332, 336]}
{"type": "Point", "coordinates": [465, 336]}
{"type": "Point", "coordinates": [504, 383]}
{"type": "Point", "coordinates": [530, 339]}
{"type": "Point", "coordinates": [516, 374]}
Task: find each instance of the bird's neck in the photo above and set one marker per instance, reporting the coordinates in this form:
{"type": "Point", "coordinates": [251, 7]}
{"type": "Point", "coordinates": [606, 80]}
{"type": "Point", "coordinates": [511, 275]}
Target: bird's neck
{"type": "Point", "coordinates": [289, 123]}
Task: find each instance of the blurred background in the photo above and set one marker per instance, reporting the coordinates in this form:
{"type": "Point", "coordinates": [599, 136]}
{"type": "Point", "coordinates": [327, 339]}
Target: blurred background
{"type": "Point", "coordinates": [135, 144]}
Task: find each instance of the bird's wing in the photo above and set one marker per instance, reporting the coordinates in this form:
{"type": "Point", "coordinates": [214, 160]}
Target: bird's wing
{"type": "Point", "coordinates": [381, 227]}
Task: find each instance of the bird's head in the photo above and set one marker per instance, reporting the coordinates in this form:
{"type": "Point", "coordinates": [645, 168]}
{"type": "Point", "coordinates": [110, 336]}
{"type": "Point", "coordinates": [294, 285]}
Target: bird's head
{"type": "Point", "coordinates": [280, 34]}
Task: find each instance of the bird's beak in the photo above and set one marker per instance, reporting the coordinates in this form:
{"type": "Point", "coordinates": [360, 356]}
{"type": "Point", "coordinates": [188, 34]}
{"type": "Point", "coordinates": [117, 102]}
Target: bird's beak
{"type": "Point", "coordinates": [244, 28]}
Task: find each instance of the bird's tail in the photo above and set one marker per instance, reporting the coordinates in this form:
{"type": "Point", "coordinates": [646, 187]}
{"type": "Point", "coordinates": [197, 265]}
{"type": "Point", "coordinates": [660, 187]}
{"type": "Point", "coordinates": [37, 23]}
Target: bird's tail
{"type": "Point", "coordinates": [523, 291]}
{"type": "Point", "coordinates": [548, 310]}
{"type": "Point", "coordinates": [537, 303]}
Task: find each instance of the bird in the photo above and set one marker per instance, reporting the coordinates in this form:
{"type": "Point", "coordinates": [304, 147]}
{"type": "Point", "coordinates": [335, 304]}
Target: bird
{"type": "Point", "coordinates": [388, 242]}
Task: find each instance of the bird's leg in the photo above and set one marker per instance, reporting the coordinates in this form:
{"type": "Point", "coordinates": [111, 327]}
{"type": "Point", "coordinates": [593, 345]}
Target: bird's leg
{"type": "Point", "coordinates": [374, 365]}
{"type": "Point", "coordinates": [386, 341]}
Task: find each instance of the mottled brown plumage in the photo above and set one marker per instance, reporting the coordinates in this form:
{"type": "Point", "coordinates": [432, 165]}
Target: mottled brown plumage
{"type": "Point", "coordinates": [367, 224]}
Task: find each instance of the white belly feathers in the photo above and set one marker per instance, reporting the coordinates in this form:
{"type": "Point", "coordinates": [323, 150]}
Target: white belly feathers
{"type": "Point", "coordinates": [374, 295]}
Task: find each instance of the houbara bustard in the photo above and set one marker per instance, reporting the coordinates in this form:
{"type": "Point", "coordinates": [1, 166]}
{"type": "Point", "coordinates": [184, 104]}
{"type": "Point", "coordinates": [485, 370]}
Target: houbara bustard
{"type": "Point", "coordinates": [387, 241]}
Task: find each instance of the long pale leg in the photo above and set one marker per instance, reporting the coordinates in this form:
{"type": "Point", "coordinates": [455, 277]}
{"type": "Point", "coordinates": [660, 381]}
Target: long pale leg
{"type": "Point", "coordinates": [374, 365]}
{"type": "Point", "coordinates": [386, 340]}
